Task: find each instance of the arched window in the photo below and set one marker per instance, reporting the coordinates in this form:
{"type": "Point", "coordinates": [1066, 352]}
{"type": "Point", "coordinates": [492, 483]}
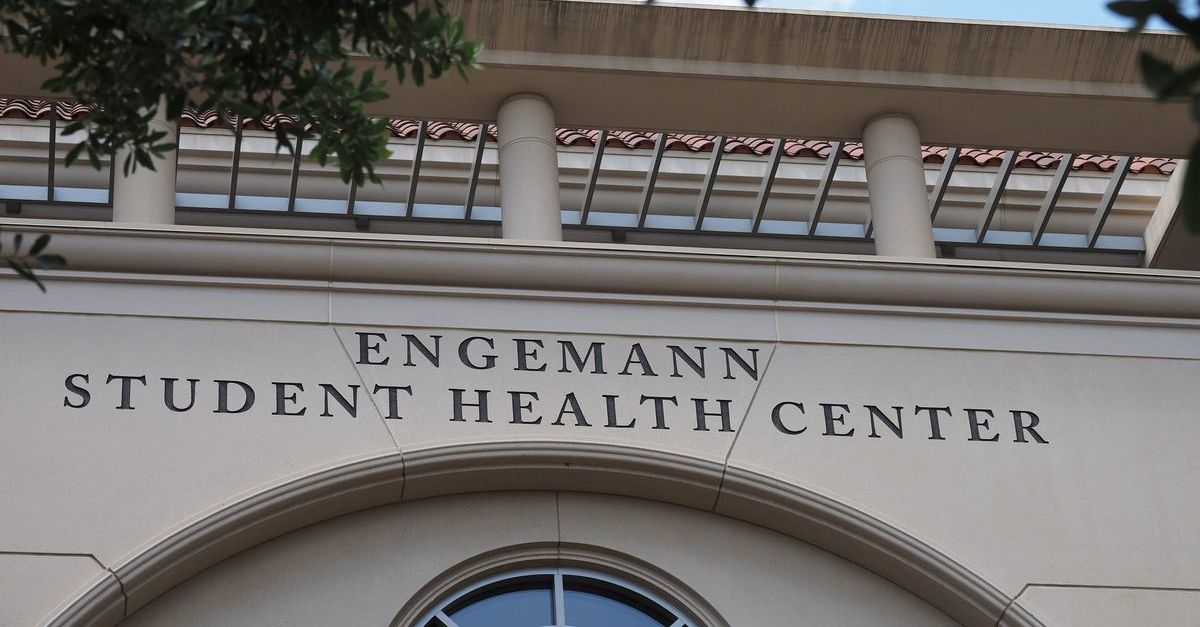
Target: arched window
{"type": "Point", "coordinates": [555, 597]}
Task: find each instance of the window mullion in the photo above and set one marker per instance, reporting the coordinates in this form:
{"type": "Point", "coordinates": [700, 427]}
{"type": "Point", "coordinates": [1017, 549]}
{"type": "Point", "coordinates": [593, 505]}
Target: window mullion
{"type": "Point", "coordinates": [560, 610]}
{"type": "Point", "coordinates": [445, 619]}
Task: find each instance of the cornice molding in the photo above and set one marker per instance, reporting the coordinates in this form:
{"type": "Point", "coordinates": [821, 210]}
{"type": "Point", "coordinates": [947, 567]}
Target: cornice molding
{"type": "Point", "coordinates": [774, 277]}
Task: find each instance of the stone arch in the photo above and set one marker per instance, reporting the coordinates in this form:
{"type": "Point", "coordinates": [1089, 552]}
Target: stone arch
{"type": "Point", "coordinates": [621, 470]}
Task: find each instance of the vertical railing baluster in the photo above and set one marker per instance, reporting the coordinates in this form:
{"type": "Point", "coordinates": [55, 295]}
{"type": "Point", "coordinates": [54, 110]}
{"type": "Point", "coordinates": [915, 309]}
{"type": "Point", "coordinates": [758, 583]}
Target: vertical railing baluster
{"type": "Point", "coordinates": [764, 188]}
{"type": "Point", "coordinates": [589, 189]}
{"type": "Point", "coordinates": [238, 131]}
{"type": "Point", "coordinates": [1052, 194]}
{"type": "Point", "coordinates": [1120, 171]}
{"type": "Point", "coordinates": [415, 175]}
{"type": "Point", "coordinates": [112, 178]}
{"type": "Point", "coordinates": [53, 151]}
{"type": "Point", "coordinates": [993, 199]}
{"type": "Point", "coordinates": [831, 165]}
{"type": "Point", "coordinates": [710, 180]}
{"type": "Point", "coordinates": [943, 182]}
{"type": "Point", "coordinates": [476, 165]}
{"type": "Point", "coordinates": [291, 203]}
{"type": "Point", "coordinates": [651, 178]}
{"type": "Point", "coordinates": [351, 198]}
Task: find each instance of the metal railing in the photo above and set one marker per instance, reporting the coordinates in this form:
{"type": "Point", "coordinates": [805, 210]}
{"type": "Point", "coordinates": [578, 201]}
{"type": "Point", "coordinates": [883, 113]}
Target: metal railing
{"type": "Point", "coordinates": [755, 220]}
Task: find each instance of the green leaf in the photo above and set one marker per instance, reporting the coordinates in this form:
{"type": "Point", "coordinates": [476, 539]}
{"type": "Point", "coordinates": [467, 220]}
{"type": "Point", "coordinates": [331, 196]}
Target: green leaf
{"type": "Point", "coordinates": [73, 154]}
{"type": "Point", "coordinates": [244, 55]}
{"type": "Point", "coordinates": [25, 273]}
{"type": "Point", "coordinates": [39, 244]}
{"type": "Point", "coordinates": [1132, 8]}
{"type": "Point", "coordinates": [52, 261]}
{"type": "Point", "coordinates": [1138, 10]}
{"type": "Point", "coordinates": [1189, 201]}
{"type": "Point", "coordinates": [1156, 73]}
{"type": "Point", "coordinates": [73, 127]}
{"type": "Point", "coordinates": [1183, 84]}
{"type": "Point", "coordinates": [143, 158]}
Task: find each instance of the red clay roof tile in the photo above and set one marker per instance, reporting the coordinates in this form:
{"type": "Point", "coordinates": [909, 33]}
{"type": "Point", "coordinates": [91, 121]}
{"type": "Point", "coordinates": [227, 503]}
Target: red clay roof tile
{"type": "Point", "coordinates": [635, 140]}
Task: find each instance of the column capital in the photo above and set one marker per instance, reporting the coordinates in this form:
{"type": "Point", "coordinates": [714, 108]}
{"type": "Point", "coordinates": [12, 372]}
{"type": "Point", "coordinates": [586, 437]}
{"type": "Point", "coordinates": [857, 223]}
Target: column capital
{"type": "Point", "coordinates": [524, 95]}
{"type": "Point", "coordinates": [888, 114]}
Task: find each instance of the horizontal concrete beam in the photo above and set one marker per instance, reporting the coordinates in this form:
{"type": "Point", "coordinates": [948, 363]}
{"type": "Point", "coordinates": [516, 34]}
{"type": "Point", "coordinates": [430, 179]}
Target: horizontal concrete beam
{"type": "Point", "coordinates": [796, 74]}
{"type": "Point", "coordinates": [615, 269]}
{"type": "Point", "coordinates": [724, 102]}
{"type": "Point", "coordinates": [955, 49]}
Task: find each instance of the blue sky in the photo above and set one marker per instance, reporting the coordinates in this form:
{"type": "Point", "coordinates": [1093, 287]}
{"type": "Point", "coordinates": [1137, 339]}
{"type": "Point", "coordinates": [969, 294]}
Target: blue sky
{"type": "Point", "coordinates": [1079, 12]}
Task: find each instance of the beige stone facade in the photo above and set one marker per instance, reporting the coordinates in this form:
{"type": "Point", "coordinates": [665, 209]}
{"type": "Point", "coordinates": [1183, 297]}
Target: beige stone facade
{"type": "Point", "coordinates": [218, 424]}
{"type": "Point", "coordinates": [829, 512]}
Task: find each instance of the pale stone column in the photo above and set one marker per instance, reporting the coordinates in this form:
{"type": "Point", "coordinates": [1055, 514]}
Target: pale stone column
{"type": "Point", "coordinates": [147, 196]}
{"type": "Point", "coordinates": [529, 194]}
{"type": "Point", "coordinates": [896, 185]}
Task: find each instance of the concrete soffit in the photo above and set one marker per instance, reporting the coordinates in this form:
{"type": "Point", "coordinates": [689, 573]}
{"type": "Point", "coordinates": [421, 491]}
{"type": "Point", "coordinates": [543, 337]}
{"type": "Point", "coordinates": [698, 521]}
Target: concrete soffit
{"type": "Point", "coordinates": [810, 75]}
{"type": "Point", "coordinates": [815, 74]}
{"type": "Point", "coordinates": [628, 471]}
{"type": "Point", "coordinates": [815, 39]}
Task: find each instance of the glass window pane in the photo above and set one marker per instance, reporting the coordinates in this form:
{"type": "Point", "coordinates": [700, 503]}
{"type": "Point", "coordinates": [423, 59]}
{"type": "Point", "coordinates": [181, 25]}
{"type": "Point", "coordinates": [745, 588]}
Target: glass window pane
{"type": "Point", "coordinates": [587, 609]}
{"type": "Point", "coordinates": [520, 608]}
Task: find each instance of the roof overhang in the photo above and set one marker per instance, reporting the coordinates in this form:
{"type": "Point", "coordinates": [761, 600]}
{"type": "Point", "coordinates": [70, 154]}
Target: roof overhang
{"type": "Point", "coordinates": [796, 74]}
